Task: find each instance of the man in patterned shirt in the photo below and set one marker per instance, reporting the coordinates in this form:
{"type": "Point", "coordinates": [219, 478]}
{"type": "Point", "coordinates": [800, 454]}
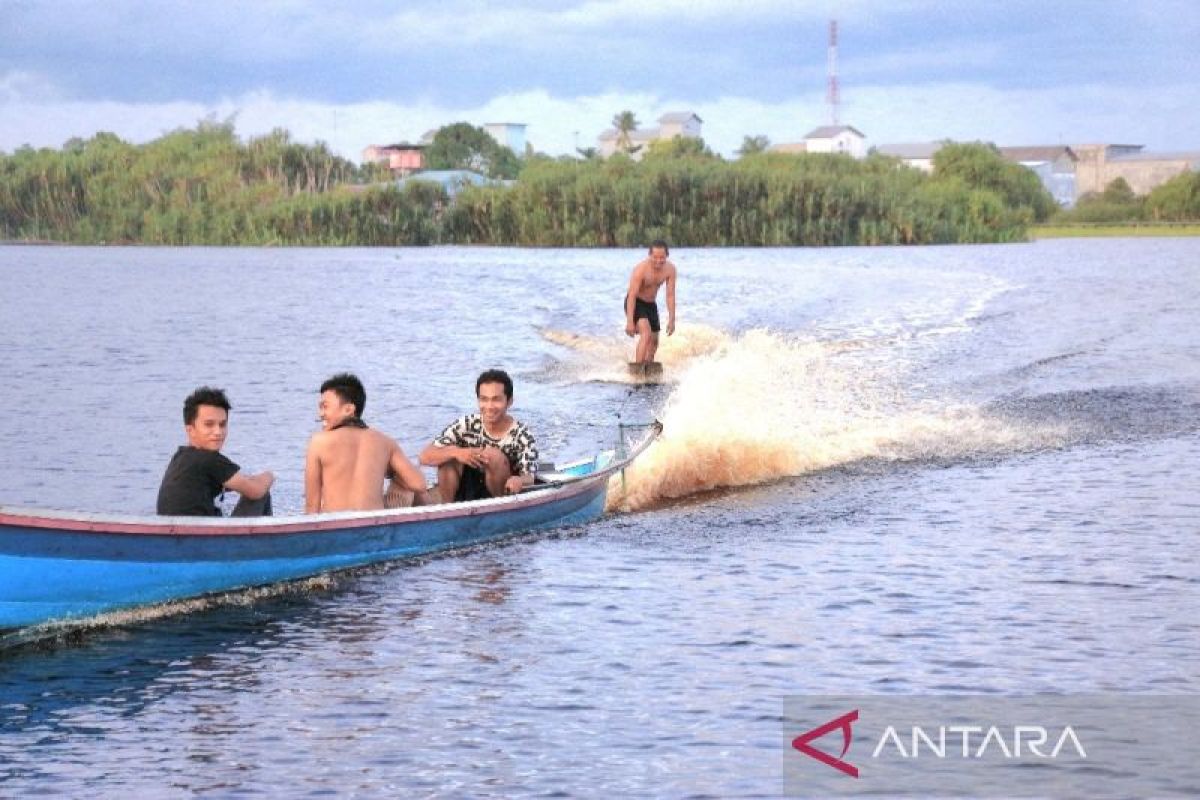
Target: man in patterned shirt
{"type": "Point", "coordinates": [488, 454]}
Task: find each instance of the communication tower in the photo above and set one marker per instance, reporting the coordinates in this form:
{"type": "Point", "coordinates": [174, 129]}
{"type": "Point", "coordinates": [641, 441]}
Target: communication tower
{"type": "Point", "coordinates": [834, 98]}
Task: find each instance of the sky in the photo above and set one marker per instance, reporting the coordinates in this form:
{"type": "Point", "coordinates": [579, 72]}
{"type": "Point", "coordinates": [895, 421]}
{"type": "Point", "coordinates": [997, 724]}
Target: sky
{"type": "Point", "coordinates": [360, 72]}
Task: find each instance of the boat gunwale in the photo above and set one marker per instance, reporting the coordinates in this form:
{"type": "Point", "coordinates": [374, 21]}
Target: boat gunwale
{"type": "Point", "coordinates": [63, 521]}
{"type": "Point", "coordinates": [102, 523]}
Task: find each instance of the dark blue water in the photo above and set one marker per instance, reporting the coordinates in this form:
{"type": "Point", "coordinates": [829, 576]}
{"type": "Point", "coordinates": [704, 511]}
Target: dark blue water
{"type": "Point", "coordinates": [918, 471]}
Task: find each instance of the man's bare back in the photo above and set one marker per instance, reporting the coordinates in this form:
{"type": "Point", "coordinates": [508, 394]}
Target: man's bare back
{"type": "Point", "coordinates": [346, 468]}
{"type": "Point", "coordinates": [347, 462]}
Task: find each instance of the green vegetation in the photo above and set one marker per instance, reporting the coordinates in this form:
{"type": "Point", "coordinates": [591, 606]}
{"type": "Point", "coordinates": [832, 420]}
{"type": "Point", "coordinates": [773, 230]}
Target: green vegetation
{"type": "Point", "coordinates": [464, 146]}
{"type": "Point", "coordinates": [1053, 231]}
{"type": "Point", "coordinates": [205, 186]}
{"type": "Point", "coordinates": [753, 145]}
{"type": "Point", "coordinates": [1171, 209]}
{"type": "Point", "coordinates": [626, 123]}
{"type": "Point", "coordinates": [980, 166]}
{"type": "Point", "coordinates": [685, 194]}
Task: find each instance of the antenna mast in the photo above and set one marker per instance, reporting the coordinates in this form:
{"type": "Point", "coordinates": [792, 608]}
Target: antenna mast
{"type": "Point", "coordinates": [834, 97]}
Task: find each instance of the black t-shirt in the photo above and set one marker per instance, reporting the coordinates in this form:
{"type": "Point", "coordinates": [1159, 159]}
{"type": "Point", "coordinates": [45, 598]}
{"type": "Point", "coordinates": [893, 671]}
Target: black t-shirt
{"type": "Point", "coordinates": [192, 480]}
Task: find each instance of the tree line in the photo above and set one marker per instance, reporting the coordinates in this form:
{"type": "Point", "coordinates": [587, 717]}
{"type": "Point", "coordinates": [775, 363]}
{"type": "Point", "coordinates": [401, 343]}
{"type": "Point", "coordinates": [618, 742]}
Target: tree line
{"type": "Point", "coordinates": [765, 199]}
{"type": "Point", "coordinates": [1177, 200]}
{"type": "Point", "coordinates": [206, 186]}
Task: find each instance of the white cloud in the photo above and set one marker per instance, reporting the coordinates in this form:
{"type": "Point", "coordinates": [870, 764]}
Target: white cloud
{"type": "Point", "coordinates": [949, 60]}
{"type": "Point", "coordinates": [1163, 120]}
{"type": "Point", "coordinates": [20, 85]}
{"type": "Point", "coordinates": [457, 24]}
{"type": "Point", "coordinates": [602, 13]}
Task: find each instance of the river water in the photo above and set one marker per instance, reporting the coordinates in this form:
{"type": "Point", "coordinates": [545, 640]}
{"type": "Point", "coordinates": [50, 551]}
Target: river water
{"type": "Point", "coordinates": [949, 470]}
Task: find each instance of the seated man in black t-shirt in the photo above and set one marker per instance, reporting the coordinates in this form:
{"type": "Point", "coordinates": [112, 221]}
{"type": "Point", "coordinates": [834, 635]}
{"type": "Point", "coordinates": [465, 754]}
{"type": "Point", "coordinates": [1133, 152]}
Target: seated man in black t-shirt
{"type": "Point", "coordinates": [198, 473]}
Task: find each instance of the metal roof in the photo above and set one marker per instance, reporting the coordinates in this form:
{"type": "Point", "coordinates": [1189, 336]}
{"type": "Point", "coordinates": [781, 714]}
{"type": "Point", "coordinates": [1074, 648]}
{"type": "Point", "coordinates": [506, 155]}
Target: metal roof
{"type": "Point", "coordinates": [830, 131]}
{"type": "Point", "coordinates": [450, 179]}
{"type": "Point", "coordinates": [909, 149]}
{"type": "Point", "coordinates": [1038, 153]}
{"type": "Point", "coordinates": [1193, 156]}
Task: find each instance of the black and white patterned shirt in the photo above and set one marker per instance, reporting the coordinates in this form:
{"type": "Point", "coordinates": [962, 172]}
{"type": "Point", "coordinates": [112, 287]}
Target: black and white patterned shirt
{"type": "Point", "coordinates": [517, 444]}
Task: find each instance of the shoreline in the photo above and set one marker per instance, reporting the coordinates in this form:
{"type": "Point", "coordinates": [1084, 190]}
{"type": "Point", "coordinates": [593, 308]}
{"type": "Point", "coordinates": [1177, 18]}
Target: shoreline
{"type": "Point", "coordinates": [1035, 233]}
{"type": "Point", "coordinates": [1113, 230]}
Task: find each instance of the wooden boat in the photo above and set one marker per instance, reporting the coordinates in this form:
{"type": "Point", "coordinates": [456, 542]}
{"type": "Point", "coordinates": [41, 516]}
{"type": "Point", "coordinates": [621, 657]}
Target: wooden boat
{"type": "Point", "coordinates": [58, 568]}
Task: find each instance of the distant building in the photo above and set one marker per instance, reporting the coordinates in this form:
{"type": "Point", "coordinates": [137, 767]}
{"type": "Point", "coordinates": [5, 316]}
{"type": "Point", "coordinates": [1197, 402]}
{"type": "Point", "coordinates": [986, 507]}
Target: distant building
{"type": "Point", "coordinates": [679, 123]}
{"type": "Point", "coordinates": [670, 125]}
{"type": "Point", "coordinates": [914, 154]}
{"type": "Point", "coordinates": [508, 134]}
{"type": "Point", "coordinates": [1067, 171]}
{"type": "Point", "coordinates": [828, 139]}
{"type": "Point", "coordinates": [837, 139]}
{"type": "Point", "coordinates": [402, 159]}
{"type": "Point", "coordinates": [1055, 166]}
{"type": "Point", "coordinates": [1101, 164]}
{"type": "Point", "coordinates": [1091, 170]}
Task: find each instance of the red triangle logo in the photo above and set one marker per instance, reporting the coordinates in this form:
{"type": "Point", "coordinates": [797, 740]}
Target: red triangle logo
{"type": "Point", "coordinates": [802, 743]}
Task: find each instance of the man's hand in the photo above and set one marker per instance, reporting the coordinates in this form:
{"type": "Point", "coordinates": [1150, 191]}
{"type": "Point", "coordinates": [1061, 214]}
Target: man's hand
{"type": "Point", "coordinates": [513, 485]}
{"type": "Point", "coordinates": [473, 457]}
{"type": "Point", "coordinates": [630, 329]}
{"type": "Point", "coordinates": [670, 326]}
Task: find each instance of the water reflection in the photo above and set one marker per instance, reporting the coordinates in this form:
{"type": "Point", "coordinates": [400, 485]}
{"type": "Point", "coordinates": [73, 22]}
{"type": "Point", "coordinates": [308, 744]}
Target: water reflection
{"type": "Point", "coordinates": [127, 669]}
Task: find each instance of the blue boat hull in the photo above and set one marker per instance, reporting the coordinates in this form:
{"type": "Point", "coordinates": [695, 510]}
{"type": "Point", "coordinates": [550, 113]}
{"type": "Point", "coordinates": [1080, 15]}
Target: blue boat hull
{"type": "Point", "coordinates": [59, 576]}
{"type": "Point", "coordinates": [59, 568]}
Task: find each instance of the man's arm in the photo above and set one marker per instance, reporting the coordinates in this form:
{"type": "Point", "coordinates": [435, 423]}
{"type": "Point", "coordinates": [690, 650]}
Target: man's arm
{"type": "Point", "coordinates": [631, 299]}
{"type": "Point", "coordinates": [434, 455]}
{"type": "Point", "coordinates": [312, 478]}
{"type": "Point", "coordinates": [526, 462]}
{"type": "Point", "coordinates": [251, 486]}
{"type": "Point", "coordinates": [403, 471]}
{"type": "Point", "coordinates": [671, 301]}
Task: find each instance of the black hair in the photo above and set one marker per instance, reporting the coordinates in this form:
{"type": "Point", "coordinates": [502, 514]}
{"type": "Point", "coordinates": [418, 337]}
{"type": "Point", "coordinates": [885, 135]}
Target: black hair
{"type": "Point", "coordinates": [661, 243]}
{"type": "Point", "coordinates": [350, 389]}
{"type": "Point", "coordinates": [495, 376]}
{"type": "Point", "coordinates": [204, 396]}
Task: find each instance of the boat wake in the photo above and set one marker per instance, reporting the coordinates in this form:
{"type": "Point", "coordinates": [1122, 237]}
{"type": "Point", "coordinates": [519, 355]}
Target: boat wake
{"type": "Point", "coordinates": [602, 359]}
{"type": "Point", "coordinates": [762, 406]}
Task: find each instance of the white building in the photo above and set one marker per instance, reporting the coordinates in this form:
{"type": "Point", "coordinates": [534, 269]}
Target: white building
{"type": "Point", "coordinates": [837, 139]}
{"type": "Point", "coordinates": [915, 154]}
{"type": "Point", "coordinates": [1053, 164]}
{"type": "Point", "coordinates": [679, 123]}
{"type": "Point", "coordinates": [508, 134]}
{"type": "Point", "coordinates": [670, 125]}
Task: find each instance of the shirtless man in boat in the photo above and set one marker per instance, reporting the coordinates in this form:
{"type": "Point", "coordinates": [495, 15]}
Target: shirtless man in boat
{"type": "Point", "coordinates": [199, 472]}
{"type": "Point", "coordinates": [488, 454]}
{"type": "Point", "coordinates": [641, 300]}
{"type": "Point", "coordinates": [347, 462]}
